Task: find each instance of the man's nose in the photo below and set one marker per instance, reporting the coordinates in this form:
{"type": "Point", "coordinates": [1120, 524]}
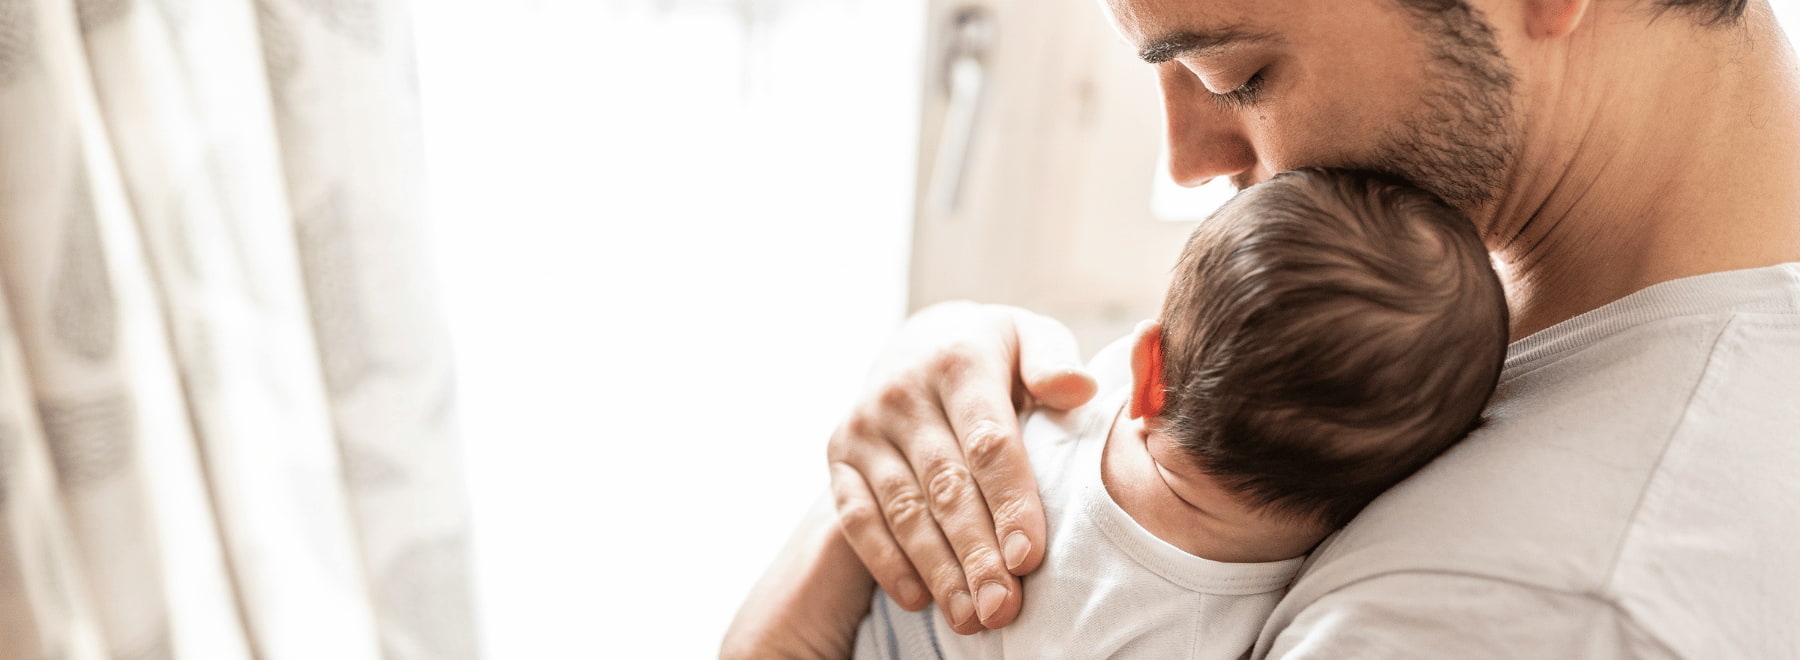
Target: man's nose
{"type": "Point", "coordinates": [1206, 139]}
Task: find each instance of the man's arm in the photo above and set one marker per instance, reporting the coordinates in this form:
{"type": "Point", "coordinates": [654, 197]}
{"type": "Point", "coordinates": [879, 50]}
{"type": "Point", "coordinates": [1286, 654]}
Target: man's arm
{"type": "Point", "coordinates": [933, 487]}
{"type": "Point", "coordinates": [809, 602]}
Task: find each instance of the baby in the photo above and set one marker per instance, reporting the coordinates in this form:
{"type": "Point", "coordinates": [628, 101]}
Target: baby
{"type": "Point", "coordinates": [1327, 333]}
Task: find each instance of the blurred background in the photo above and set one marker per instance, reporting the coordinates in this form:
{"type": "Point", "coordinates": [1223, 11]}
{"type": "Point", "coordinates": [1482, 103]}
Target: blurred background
{"type": "Point", "coordinates": [672, 235]}
{"type": "Point", "coordinates": [375, 329]}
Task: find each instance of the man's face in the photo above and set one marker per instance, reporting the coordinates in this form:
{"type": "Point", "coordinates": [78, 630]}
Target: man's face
{"type": "Point", "coordinates": [1256, 87]}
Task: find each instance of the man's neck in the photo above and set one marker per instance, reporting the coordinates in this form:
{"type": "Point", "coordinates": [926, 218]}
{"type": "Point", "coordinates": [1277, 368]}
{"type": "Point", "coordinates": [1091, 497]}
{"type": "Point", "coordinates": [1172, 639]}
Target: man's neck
{"type": "Point", "coordinates": [1688, 163]}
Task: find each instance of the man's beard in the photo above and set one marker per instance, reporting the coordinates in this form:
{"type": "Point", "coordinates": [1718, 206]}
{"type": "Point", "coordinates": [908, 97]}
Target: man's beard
{"type": "Point", "coordinates": [1462, 142]}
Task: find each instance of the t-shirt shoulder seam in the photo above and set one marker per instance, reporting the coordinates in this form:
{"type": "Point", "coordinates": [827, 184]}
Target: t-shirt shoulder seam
{"type": "Point", "coordinates": [1712, 352]}
{"type": "Point", "coordinates": [1771, 290]}
{"type": "Point", "coordinates": [1535, 362]}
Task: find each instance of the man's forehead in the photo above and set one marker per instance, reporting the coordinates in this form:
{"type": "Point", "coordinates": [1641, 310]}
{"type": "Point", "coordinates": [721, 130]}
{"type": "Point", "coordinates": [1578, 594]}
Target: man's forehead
{"type": "Point", "coordinates": [1162, 30]}
{"type": "Point", "coordinates": [1141, 22]}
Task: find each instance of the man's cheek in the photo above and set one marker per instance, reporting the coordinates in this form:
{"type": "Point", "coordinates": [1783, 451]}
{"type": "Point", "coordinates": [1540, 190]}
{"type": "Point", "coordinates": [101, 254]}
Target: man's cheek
{"type": "Point", "coordinates": [1294, 140]}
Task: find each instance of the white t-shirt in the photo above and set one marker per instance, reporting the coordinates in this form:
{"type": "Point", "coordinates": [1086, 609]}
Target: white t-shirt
{"type": "Point", "coordinates": [1107, 587]}
{"type": "Point", "coordinates": [1635, 494]}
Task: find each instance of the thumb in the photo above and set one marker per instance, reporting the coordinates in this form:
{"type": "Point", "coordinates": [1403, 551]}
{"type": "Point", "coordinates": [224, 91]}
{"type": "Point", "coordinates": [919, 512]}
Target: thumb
{"type": "Point", "coordinates": [1050, 362]}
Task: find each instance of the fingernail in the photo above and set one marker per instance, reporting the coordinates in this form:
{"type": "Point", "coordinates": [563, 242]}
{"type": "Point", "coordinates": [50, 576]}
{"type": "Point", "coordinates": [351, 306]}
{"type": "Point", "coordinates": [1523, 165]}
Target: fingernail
{"type": "Point", "coordinates": [1016, 549]}
{"type": "Point", "coordinates": [992, 596]}
{"type": "Point", "coordinates": [960, 608]}
{"type": "Point", "coordinates": [908, 591]}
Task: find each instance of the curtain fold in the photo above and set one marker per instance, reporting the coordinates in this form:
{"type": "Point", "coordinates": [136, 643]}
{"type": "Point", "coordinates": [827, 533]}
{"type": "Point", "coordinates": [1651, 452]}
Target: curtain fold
{"type": "Point", "coordinates": [189, 114]}
{"type": "Point", "coordinates": [90, 335]}
{"type": "Point", "coordinates": [345, 87]}
{"type": "Point", "coordinates": [227, 353]}
{"type": "Point", "coordinates": [45, 611]}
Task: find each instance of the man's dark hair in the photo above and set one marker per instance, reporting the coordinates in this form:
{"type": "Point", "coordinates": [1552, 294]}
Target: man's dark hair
{"type": "Point", "coordinates": [1327, 333]}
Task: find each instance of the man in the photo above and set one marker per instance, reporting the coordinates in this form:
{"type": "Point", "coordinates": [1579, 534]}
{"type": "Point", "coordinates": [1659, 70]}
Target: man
{"type": "Point", "coordinates": [1634, 168]}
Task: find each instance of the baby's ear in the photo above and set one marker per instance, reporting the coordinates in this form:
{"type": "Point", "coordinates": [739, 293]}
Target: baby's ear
{"type": "Point", "coordinates": [1147, 388]}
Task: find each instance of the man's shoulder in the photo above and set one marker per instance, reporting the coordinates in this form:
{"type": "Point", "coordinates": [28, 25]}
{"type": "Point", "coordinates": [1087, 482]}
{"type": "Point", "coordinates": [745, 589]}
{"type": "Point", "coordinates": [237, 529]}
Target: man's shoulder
{"type": "Point", "coordinates": [1579, 442]}
{"type": "Point", "coordinates": [1643, 468]}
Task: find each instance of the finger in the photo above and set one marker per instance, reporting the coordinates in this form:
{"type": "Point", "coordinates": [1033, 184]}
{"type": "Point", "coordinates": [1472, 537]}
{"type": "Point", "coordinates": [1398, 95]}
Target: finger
{"type": "Point", "coordinates": [867, 533]}
{"type": "Point", "coordinates": [961, 513]}
{"type": "Point", "coordinates": [987, 430]}
{"type": "Point", "coordinates": [1050, 362]}
{"type": "Point", "coordinates": [904, 507]}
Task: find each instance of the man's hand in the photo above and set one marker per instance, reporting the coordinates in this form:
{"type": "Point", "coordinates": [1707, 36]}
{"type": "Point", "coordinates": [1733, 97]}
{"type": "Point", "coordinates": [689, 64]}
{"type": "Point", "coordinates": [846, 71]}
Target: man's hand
{"type": "Point", "coordinates": [933, 488]}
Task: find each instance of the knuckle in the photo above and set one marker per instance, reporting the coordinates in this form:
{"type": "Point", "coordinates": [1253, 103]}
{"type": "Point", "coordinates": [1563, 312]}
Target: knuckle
{"type": "Point", "coordinates": [892, 484]}
{"type": "Point", "coordinates": [861, 425]}
{"type": "Point", "coordinates": [857, 517]}
{"type": "Point", "coordinates": [947, 578]}
{"type": "Point", "coordinates": [850, 437]}
{"type": "Point", "coordinates": [905, 510]}
{"type": "Point", "coordinates": [955, 359]}
{"type": "Point", "coordinates": [950, 486]}
{"type": "Point", "coordinates": [889, 561]}
{"type": "Point", "coordinates": [1008, 510]}
{"type": "Point", "coordinates": [986, 445]}
{"type": "Point", "coordinates": [895, 396]}
{"type": "Point", "coordinates": [984, 564]}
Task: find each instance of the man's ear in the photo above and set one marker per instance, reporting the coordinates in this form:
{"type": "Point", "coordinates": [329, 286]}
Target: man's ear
{"type": "Point", "coordinates": [1552, 19]}
{"type": "Point", "coordinates": [1147, 371]}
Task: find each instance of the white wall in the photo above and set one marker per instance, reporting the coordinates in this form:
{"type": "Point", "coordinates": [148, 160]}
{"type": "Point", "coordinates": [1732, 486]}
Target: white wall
{"type": "Point", "coordinates": [671, 235]}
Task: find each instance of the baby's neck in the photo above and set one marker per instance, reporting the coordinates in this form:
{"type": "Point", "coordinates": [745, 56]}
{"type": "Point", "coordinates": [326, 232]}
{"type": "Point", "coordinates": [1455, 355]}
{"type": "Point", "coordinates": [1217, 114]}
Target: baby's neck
{"type": "Point", "coordinates": [1133, 480]}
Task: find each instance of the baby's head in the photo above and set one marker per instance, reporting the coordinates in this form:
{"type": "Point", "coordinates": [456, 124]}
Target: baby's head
{"type": "Point", "coordinates": [1327, 333]}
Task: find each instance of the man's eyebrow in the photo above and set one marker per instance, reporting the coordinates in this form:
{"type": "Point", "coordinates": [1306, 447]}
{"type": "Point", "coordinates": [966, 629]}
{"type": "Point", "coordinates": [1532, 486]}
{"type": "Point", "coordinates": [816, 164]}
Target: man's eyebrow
{"type": "Point", "coordinates": [1199, 43]}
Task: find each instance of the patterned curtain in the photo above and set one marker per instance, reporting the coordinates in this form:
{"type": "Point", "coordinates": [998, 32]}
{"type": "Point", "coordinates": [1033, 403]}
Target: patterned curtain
{"type": "Point", "coordinates": [225, 396]}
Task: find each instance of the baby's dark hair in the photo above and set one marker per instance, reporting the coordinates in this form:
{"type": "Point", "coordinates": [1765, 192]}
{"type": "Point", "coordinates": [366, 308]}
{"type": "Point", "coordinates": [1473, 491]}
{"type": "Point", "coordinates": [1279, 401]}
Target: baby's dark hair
{"type": "Point", "coordinates": [1328, 333]}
